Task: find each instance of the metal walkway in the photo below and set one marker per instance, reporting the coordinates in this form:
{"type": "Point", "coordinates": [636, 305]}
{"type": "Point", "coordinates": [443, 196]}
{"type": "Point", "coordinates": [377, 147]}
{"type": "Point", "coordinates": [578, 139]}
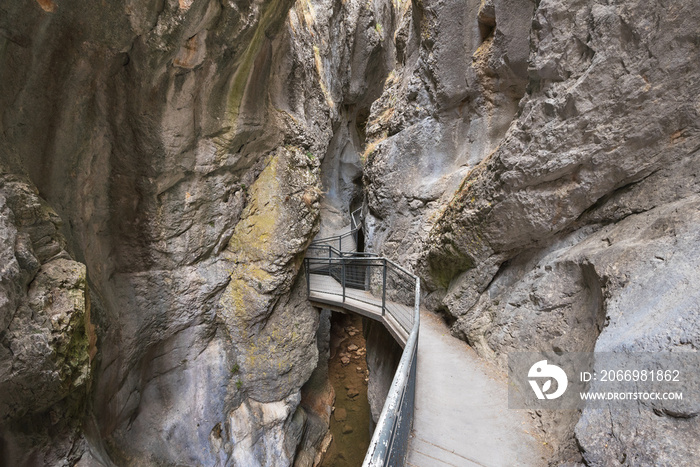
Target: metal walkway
{"type": "Point", "coordinates": [324, 290]}
{"type": "Point", "coordinates": [379, 289]}
{"type": "Point", "coordinates": [460, 408]}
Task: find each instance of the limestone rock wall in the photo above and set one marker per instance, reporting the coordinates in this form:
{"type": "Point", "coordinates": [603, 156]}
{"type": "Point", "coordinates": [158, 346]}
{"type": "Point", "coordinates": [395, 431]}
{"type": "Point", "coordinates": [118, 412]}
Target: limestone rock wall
{"type": "Point", "coordinates": [177, 147]}
{"type": "Point", "coordinates": [536, 163]}
{"type": "Point", "coordinates": [383, 356]}
{"type": "Point", "coordinates": [47, 339]}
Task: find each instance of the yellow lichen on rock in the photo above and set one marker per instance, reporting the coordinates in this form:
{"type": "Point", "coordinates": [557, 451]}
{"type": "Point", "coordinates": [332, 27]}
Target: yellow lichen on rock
{"type": "Point", "coordinates": [265, 252]}
{"type": "Point", "coordinates": [252, 234]}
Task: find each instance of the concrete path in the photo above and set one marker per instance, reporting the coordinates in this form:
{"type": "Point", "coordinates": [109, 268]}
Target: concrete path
{"type": "Point", "coordinates": [461, 416]}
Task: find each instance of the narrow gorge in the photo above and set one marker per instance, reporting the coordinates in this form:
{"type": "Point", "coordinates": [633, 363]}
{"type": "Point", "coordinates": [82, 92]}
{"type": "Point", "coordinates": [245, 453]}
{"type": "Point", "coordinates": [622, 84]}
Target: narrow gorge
{"type": "Point", "coordinates": [165, 165]}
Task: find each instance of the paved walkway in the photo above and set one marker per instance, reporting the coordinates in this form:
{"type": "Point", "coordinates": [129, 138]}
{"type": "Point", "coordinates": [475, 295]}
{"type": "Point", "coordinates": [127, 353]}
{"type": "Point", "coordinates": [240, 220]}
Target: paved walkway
{"type": "Point", "coordinates": [461, 416]}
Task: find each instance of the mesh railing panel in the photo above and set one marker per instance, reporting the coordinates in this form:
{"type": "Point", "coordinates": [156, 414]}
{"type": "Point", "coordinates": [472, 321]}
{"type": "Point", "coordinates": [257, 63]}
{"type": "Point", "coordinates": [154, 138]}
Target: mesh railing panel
{"type": "Point", "coordinates": [370, 275]}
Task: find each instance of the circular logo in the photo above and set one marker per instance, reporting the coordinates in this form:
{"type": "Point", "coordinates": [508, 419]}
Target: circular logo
{"type": "Point", "coordinates": [541, 370]}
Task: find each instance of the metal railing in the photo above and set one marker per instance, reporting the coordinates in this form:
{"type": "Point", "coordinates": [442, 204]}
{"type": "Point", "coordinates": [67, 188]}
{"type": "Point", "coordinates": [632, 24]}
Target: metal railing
{"type": "Point", "coordinates": [389, 444]}
{"type": "Point", "coordinates": [391, 291]}
{"type": "Point", "coordinates": [382, 285]}
{"type": "Point", "coordinates": [337, 240]}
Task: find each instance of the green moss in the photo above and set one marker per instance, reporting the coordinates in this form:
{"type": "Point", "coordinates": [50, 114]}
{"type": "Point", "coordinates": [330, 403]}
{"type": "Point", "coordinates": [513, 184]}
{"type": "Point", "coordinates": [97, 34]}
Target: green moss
{"type": "Point", "coordinates": [263, 211]}
{"type": "Point", "coordinates": [252, 244]}
{"type": "Point", "coordinates": [262, 263]}
{"type": "Point", "coordinates": [75, 348]}
{"type": "Point", "coordinates": [380, 30]}
{"type": "Point", "coordinates": [443, 271]}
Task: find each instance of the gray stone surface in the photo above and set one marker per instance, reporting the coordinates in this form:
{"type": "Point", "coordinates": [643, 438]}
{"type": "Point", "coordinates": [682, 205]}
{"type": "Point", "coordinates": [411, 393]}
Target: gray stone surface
{"type": "Point", "coordinates": [444, 108]}
{"type": "Point", "coordinates": [535, 162]}
{"type": "Point", "coordinates": [180, 144]}
{"type": "Point", "coordinates": [383, 355]}
{"type": "Point", "coordinates": [47, 341]}
{"type": "Point", "coordinates": [317, 399]}
{"type": "Point", "coordinates": [548, 199]}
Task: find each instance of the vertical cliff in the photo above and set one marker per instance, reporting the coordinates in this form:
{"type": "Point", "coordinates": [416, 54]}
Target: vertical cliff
{"type": "Point", "coordinates": [537, 163]}
{"type": "Point", "coordinates": [161, 167]}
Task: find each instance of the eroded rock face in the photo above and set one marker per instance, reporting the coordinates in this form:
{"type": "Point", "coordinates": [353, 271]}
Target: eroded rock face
{"type": "Point", "coordinates": [180, 143]}
{"type": "Point", "coordinates": [240, 333]}
{"type": "Point", "coordinates": [383, 355]}
{"type": "Point", "coordinates": [445, 107]}
{"type": "Point", "coordinates": [561, 212]}
{"type": "Point", "coordinates": [47, 341]}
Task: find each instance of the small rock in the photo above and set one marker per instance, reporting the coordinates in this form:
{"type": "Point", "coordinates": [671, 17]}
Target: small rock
{"type": "Point", "coordinates": [416, 204]}
{"type": "Point", "coordinates": [344, 360]}
{"type": "Point", "coordinates": [359, 369]}
{"type": "Point", "coordinates": [340, 414]}
{"type": "Point", "coordinates": [352, 347]}
{"type": "Point", "coordinates": [347, 429]}
{"type": "Point", "coordinates": [352, 393]}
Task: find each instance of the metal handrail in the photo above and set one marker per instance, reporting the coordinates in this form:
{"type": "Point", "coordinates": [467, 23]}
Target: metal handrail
{"type": "Point", "coordinates": [325, 265]}
{"type": "Point", "coordinates": [354, 222]}
{"type": "Point", "coordinates": [355, 226]}
{"type": "Point", "coordinates": [332, 249]}
{"type": "Point", "coordinates": [389, 444]}
{"type": "Point", "coordinates": [397, 414]}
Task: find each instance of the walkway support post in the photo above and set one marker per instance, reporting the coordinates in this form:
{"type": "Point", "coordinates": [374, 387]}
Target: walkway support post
{"type": "Point", "coordinates": [383, 286]}
{"type": "Point", "coordinates": [342, 275]}
{"type": "Point", "coordinates": [416, 301]}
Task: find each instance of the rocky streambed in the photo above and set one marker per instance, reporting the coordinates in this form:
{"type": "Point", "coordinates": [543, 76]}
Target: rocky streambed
{"type": "Point", "coordinates": [348, 373]}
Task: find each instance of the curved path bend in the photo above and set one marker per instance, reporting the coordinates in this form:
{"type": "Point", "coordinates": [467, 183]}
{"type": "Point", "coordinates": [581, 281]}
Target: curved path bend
{"type": "Point", "coordinates": [461, 415]}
